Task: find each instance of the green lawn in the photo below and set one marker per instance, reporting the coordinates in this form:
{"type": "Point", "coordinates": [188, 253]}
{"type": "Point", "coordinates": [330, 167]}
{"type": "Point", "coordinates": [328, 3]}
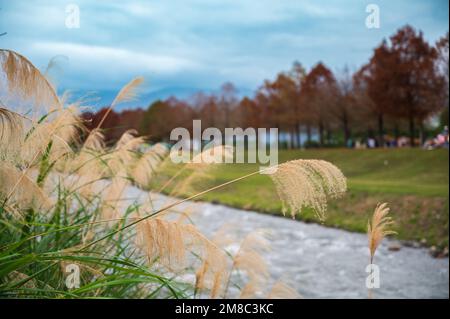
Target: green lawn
{"type": "Point", "coordinates": [414, 182]}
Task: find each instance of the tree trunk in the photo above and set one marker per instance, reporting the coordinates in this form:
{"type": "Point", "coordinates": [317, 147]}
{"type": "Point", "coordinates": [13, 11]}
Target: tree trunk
{"type": "Point", "coordinates": [299, 138]}
{"type": "Point", "coordinates": [279, 137]}
{"type": "Point", "coordinates": [346, 131]}
{"type": "Point", "coordinates": [329, 136]}
{"type": "Point", "coordinates": [348, 136]}
{"type": "Point", "coordinates": [292, 138]}
{"type": "Point", "coordinates": [412, 130]}
{"type": "Point", "coordinates": [396, 131]}
{"type": "Point", "coordinates": [308, 133]}
{"type": "Point", "coordinates": [422, 133]}
{"type": "Point", "coordinates": [380, 130]}
{"type": "Point", "coordinates": [321, 135]}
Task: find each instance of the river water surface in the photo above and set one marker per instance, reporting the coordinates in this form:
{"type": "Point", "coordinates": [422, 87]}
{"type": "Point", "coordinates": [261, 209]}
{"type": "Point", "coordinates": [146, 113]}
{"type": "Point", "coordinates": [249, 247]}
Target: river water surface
{"type": "Point", "coordinates": [322, 262]}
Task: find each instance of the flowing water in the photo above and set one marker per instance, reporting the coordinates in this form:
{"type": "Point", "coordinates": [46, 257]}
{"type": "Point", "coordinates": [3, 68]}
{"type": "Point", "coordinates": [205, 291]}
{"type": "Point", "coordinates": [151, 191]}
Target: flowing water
{"type": "Point", "coordinates": [322, 262]}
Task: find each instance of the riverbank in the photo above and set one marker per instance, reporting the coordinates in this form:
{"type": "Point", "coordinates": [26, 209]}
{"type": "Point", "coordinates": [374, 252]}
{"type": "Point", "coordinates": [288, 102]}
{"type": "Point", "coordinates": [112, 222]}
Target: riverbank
{"type": "Point", "coordinates": [413, 181]}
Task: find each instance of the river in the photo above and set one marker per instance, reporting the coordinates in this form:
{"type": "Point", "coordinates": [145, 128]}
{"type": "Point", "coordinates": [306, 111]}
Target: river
{"type": "Point", "coordinates": [323, 262]}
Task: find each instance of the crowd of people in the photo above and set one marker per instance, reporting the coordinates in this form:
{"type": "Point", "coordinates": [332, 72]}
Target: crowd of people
{"type": "Point", "coordinates": [441, 140]}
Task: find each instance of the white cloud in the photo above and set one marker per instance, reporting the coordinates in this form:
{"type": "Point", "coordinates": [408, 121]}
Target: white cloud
{"type": "Point", "coordinates": [139, 9]}
{"type": "Point", "coordinates": [114, 57]}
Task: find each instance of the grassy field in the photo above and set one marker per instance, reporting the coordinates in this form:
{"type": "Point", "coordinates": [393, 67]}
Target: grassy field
{"type": "Point", "coordinates": [414, 182]}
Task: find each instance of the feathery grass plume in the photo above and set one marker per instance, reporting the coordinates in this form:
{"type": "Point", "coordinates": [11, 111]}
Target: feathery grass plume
{"type": "Point", "coordinates": [249, 260]}
{"type": "Point", "coordinates": [93, 156]}
{"type": "Point", "coordinates": [200, 167]}
{"type": "Point", "coordinates": [25, 81]}
{"type": "Point", "coordinates": [54, 69]}
{"type": "Point", "coordinates": [11, 134]}
{"type": "Point", "coordinates": [90, 159]}
{"type": "Point", "coordinates": [212, 272]}
{"type": "Point", "coordinates": [125, 152]}
{"type": "Point", "coordinates": [27, 194]}
{"type": "Point", "coordinates": [163, 240]}
{"type": "Point", "coordinates": [112, 196]}
{"type": "Point", "coordinates": [88, 166]}
{"type": "Point", "coordinates": [377, 229]}
{"type": "Point", "coordinates": [160, 149]}
{"type": "Point", "coordinates": [65, 127]}
{"type": "Point", "coordinates": [249, 290]}
{"type": "Point", "coordinates": [147, 164]}
{"type": "Point", "coordinates": [167, 241]}
{"type": "Point", "coordinates": [280, 290]}
{"type": "Point", "coordinates": [128, 141]}
{"type": "Point", "coordinates": [95, 141]}
{"type": "Point", "coordinates": [308, 183]}
{"type": "Point", "coordinates": [94, 162]}
{"type": "Point", "coordinates": [61, 131]}
{"type": "Point", "coordinates": [127, 93]}
{"type": "Point", "coordinates": [67, 124]}
{"type": "Point", "coordinates": [36, 141]}
{"type": "Point", "coordinates": [249, 257]}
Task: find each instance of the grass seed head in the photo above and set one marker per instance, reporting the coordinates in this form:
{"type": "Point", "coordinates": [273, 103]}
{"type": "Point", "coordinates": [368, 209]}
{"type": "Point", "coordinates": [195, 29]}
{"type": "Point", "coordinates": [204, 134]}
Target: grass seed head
{"type": "Point", "coordinates": [308, 183]}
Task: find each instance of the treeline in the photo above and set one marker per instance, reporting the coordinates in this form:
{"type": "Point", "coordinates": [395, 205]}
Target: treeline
{"type": "Point", "coordinates": [403, 85]}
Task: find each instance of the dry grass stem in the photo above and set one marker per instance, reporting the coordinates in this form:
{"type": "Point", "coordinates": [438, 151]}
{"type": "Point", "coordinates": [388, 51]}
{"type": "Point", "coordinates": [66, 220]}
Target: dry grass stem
{"type": "Point", "coordinates": [377, 228]}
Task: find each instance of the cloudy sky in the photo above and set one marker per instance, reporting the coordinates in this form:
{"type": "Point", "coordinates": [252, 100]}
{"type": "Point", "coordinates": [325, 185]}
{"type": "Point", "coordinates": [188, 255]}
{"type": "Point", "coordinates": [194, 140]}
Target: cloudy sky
{"type": "Point", "coordinates": [200, 44]}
